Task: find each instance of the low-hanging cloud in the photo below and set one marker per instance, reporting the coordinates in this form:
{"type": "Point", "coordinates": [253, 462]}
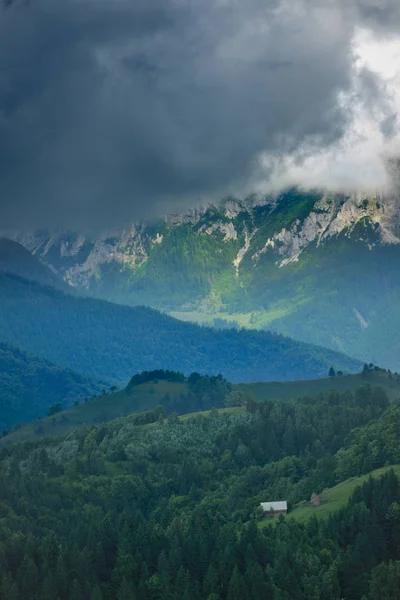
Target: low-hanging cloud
{"type": "Point", "coordinates": [119, 110]}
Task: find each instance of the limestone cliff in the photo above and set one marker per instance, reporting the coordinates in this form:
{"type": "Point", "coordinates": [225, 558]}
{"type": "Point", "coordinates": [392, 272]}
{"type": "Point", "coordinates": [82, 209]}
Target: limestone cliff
{"type": "Point", "coordinates": [81, 259]}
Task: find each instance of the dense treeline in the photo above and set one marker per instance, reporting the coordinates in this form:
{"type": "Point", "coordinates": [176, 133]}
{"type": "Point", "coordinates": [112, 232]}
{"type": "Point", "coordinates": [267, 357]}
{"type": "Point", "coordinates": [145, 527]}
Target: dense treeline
{"type": "Point", "coordinates": [373, 446]}
{"type": "Point", "coordinates": [98, 337]}
{"type": "Point", "coordinates": [203, 393]}
{"type": "Point", "coordinates": [169, 510]}
{"type": "Point", "coordinates": [30, 385]}
{"type": "Point", "coordinates": [156, 375]}
{"type": "Point", "coordinates": [176, 376]}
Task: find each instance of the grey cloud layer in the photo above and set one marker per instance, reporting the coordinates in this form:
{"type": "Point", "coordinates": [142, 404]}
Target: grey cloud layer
{"type": "Point", "coordinates": [383, 14]}
{"type": "Point", "coordinates": [110, 110]}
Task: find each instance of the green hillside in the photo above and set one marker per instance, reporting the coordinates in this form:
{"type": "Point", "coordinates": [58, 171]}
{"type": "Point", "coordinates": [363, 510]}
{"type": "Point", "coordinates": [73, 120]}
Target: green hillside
{"type": "Point", "coordinates": [338, 496]}
{"type": "Point", "coordinates": [179, 396]}
{"type": "Point", "coordinates": [182, 397]}
{"type": "Point", "coordinates": [275, 390]}
{"type": "Point", "coordinates": [98, 337]}
{"type": "Point", "coordinates": [30, 385]}
{"type": "Point", "coordinates": [151, 508]}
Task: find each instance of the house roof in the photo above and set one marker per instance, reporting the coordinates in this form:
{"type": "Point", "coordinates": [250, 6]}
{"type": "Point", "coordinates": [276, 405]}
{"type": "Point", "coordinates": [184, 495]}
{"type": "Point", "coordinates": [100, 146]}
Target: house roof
{"type": "Point", "coordinates": [270, 506]}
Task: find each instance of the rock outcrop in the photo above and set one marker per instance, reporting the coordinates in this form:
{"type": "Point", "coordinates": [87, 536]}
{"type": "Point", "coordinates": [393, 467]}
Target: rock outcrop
{"type": "Point", "coordinates": [81, 259]}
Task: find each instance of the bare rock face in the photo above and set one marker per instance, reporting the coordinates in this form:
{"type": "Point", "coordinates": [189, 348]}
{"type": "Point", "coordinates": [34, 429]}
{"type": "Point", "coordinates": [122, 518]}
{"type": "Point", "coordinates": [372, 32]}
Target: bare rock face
{"type": "Point", "coordinates": [79, 258]}
{"type": "Point", "coordinates": [227, 229]}
{"type": "Point", "coordinates": [192, 216]}
{"type": "Point", "coordinates": [332, 216]}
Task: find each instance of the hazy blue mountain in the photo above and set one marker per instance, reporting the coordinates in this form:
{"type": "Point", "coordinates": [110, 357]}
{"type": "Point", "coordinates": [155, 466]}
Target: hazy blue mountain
{"type": "Point", "coordinates": [320, 268]}
{"type": "Point", "coordinates": [114, 341]}
{"type": "Point", "coordinates": [30, 385]}
{"type": "Point", "coordinates": [14, 258]}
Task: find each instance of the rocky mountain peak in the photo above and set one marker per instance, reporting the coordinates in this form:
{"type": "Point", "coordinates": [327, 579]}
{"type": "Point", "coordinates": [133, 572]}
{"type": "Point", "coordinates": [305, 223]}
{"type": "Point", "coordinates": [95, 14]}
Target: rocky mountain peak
{"type": "Point", "coordinates": [81, 259]}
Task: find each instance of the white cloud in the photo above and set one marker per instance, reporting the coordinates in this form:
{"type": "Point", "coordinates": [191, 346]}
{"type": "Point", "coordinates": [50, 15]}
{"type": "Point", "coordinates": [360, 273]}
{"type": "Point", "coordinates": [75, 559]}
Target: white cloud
{"type": "Point", "coordinates": [358, 160]}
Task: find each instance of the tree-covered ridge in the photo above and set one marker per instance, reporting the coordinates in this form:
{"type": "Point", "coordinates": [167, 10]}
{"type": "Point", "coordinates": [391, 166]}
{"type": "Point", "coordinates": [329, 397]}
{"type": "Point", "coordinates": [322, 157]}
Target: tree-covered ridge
{"type": "Point", "coordinates": [30, 385]}
{"type": "Point", "coordinates": [169, 510]}
{"type": "Point", "coordinates": [98, 337]}
{"type": "Point", "coordinates": [174, 392]}
{"type": "Point", "coordinates": [372, 446]}
{"type": "Point", "coordinates": [168, 391]}
{"type": "Point", "coordinates": [155, 376]}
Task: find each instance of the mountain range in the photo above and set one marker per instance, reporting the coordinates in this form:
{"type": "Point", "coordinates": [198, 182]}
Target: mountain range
{"type": "Point", "coordinates": [104, 339]}
{"type": "Point", "coordinates": [120, 497]}
{"type": "Point", "coordinates": [322, 268]}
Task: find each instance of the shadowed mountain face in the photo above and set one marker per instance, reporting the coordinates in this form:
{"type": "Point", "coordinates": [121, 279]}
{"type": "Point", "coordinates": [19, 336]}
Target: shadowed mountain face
{"type": "Point", "coordinates": [30, 385]}
{"type": "Point", "coordinates": [320, 268]}
{"type": "Point", "coordinates": [14, 258]}
{"type": "Point", "coordinates": [105, 339]}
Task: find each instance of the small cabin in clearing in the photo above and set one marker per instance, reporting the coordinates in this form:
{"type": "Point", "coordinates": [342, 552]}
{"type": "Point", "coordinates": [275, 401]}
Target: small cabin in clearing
{"type": "Point", "coordinates": [315, 500]}
{"type": "Point", "coordinates": [274, 508]}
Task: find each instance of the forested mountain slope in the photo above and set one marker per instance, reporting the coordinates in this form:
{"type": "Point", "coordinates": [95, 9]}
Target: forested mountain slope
{"type": "Point", "coordinates": [321, 268]}
{"type": "Point", "coordinates": [171, 510]}
{"type": "Point", "coordinates": [30, 385]}
{"type": "Point", "coordinates": [105, 339]}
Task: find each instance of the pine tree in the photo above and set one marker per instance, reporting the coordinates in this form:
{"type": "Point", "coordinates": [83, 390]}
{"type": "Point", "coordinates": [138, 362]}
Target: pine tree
{"type": "Point", "coordinates": [126, 590]}
{"type": "Point", "coordinates": [96, 594]}
{"type": "Point", "coordinates": [256, 582]}
{"type": "Point", "coordinates": [76, 592]}
{"type": "Point", "coordinates": [289, 437]}
{"type": "Point", "coordinates": [28, 577]}
{"type": "Point", "coordinates": [210, 584]}
{"type": "Point", "coordinates": [182, 583]}
{"type": "Point", "coordinates": [8, 588]}
{"type": "Point", "coordinates": [13, 593]}
{"type": "Point", "coordinates": [237, 589]}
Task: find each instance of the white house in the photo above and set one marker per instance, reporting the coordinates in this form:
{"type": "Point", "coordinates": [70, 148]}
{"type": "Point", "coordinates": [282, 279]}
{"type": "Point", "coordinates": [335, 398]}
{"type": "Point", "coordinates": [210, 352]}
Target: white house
{"type": "Point", "coordinates": [274, 508]}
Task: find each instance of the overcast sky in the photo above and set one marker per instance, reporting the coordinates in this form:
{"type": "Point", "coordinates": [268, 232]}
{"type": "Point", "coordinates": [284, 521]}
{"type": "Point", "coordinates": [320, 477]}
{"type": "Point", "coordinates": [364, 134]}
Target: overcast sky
{"type": "Point", "coordinates": [115, 110]}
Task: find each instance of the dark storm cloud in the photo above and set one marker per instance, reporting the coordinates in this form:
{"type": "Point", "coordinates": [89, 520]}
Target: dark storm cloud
{"type": "Point", "coordinates": [377, 102]}
{"type": "Point", "coordinates": [380, 14]}
{"type": "Point", "coordinates": [115, 110]}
